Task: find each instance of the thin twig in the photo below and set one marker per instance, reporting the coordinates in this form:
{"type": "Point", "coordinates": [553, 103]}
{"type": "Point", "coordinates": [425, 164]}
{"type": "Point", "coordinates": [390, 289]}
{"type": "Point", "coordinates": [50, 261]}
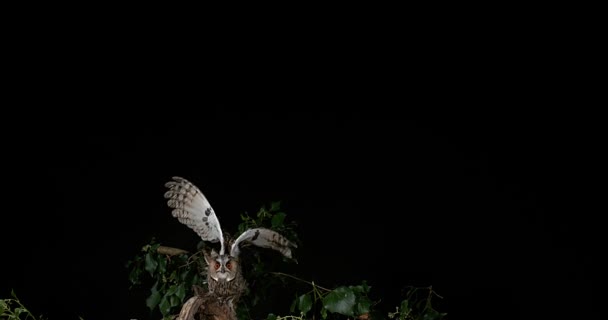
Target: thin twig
{"type": "Point", "coordinates": [302, 280]}
{"type": "Point", "coordinates": [435, 292]}
{"type": "Point", "coordinates": [191, 259]}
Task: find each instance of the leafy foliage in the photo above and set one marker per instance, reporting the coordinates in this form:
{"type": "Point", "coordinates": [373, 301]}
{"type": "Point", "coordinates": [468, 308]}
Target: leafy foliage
{"type": "Point", "coordinates": [262, 284]}
{"type": "Point", "coordinates": [13, 309]}
{"type": "Point", "coordinates": [271, 217]}
{"type": "Point", "coordinates": [350, 301]}
{"type": "Point", "coordinates": [417, 305]}
{"type": "Point", "coordinates": [172, 279]}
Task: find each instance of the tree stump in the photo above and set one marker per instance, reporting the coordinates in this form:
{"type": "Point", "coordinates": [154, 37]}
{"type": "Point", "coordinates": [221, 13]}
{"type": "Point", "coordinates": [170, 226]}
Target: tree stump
{"type": "Point", "coordinates": [205, 306]}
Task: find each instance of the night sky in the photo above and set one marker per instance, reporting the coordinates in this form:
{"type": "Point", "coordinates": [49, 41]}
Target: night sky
{"type": "Point", "coordinates": [494, 214]}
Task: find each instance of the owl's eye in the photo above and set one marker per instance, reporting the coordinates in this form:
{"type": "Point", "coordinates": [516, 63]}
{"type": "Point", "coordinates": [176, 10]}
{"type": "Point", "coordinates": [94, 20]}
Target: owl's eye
{"type": "Point", "coordinates": [216, 265]}
{"type": "Point", "coordinates": [229, 265]}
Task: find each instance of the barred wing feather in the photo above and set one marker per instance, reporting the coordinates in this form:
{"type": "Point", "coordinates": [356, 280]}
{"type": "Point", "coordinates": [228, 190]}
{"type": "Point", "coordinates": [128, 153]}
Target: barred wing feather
{"type": "Point", "coordinates": [191, 208]}
{"type": "Point", "coordinates": [265, 238]}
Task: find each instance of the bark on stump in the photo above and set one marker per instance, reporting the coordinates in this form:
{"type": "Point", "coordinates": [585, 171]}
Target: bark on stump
{"type": "Point", "coordinates": [205, 306]}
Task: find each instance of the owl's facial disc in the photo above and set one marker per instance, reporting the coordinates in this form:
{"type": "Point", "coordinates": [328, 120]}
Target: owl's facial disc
{"type": "Point", "coordinates": [224, 269]}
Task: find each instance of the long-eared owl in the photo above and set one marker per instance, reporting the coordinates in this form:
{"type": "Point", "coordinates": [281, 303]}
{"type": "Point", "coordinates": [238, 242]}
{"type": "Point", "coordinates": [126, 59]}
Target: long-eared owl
{"type": "Point", "coordinates": [224, 274]}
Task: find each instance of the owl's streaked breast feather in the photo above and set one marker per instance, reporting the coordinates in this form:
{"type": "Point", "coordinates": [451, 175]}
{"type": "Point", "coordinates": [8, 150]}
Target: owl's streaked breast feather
{"type": "Point", "coordinates": [191, 208]}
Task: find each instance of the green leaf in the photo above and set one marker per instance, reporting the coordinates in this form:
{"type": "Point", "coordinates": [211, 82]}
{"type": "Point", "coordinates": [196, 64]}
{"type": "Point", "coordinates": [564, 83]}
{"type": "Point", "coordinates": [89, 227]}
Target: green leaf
{"type": "Point", "coordinates": [13, 294]}
{"type": "Point", "coordinates": [275, 205]}
{"type": "Point", "coordinates": [151, 264]}
{"type": "Point", "coordinates": [2, 307]}
{"type": "Point", "coordinates": [271, 316]}
{"type": "Point", "coordinates": [341, 300]}
{"type": "Point", "coordinates": [305, 303]}
{"type": "Point", "coordinates": [356, 289]}
{"type": "Point", "coordinates": [363, 305]}
{"type": "Point", "coordinates": [154, 298]}
{"type": "Point", "coordinates": [196, 279]}
{"type": "Point", "coordinates": [258, 268]}
{"type": "Point", "coordinates": [134, 275]}
{"type": "Point", "coordinates": [255, 300]}
{"type": "Point", "coordinates": [162, 264]}
{"type": "Point", "coordinates": [181, 292]}
{"type": "Point", "coordinates": [173, 275]}
{"type": "Point", "coordinates": [200, 244]}
{"type": "Point", "coordinates": [164, 305]}
{"type": "Point", "coordinates": [184, 276]}
{"type": "Point", "coordinates": [433, 315]}
{"type": "Point", "coordinates": [277, 220]}
{"type": "Point", "coordinates": [324, 313]}
{"type": "Point", "coordinates": [292, 308]}
{"type": "Point", "coordinates": [366, 288]}
{"type": "Point", "coordinates": [172, 290]}
{"type": "Point", "coordinates": [362, 288]}
{"type": "Point", "coordinates": [261, 213]}
{"type": "Point", "coordinates": [174, 301]}
{"type": "Point", "coordinates": [405, 307]}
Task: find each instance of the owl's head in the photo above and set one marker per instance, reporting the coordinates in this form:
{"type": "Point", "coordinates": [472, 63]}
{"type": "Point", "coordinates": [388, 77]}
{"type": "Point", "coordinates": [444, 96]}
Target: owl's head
{"type": "Point", "coordinates": [221, 267]}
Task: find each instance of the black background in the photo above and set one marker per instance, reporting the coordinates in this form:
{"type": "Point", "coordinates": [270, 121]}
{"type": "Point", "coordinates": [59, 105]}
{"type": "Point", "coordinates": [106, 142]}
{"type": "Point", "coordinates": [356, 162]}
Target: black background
{"type": "Point", "coordinates": [492, 210]}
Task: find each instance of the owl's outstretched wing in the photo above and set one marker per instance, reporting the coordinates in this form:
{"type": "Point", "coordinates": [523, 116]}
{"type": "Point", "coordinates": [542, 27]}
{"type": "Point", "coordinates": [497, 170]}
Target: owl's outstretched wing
{"type": "Point", "coordinates": [191, 208]}
{"type": "Point", "coordinates": [265, 238]}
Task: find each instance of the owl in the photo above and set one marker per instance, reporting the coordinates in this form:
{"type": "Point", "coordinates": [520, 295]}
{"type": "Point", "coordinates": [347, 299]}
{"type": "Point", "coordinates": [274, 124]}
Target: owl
{"type": "Point", "coordinates": [224, 277]}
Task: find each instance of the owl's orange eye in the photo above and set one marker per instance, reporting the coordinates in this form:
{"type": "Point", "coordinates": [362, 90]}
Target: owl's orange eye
{"type": "Point", "coordinates": [229, 265]}
{"type": "Point", "coordinates": [216, 265]}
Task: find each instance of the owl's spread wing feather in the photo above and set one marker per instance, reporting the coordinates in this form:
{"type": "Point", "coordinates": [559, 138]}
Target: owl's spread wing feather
{"type": "Point", "coordinates": [191, 208]}
{"type": "Point", "coordinates": [265, 238]}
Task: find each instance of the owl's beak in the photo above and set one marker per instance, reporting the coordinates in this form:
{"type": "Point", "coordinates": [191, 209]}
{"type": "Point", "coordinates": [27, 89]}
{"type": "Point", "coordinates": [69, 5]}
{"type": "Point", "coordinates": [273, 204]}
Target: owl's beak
{"type": "Point", "coordinates": [221, 275]}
